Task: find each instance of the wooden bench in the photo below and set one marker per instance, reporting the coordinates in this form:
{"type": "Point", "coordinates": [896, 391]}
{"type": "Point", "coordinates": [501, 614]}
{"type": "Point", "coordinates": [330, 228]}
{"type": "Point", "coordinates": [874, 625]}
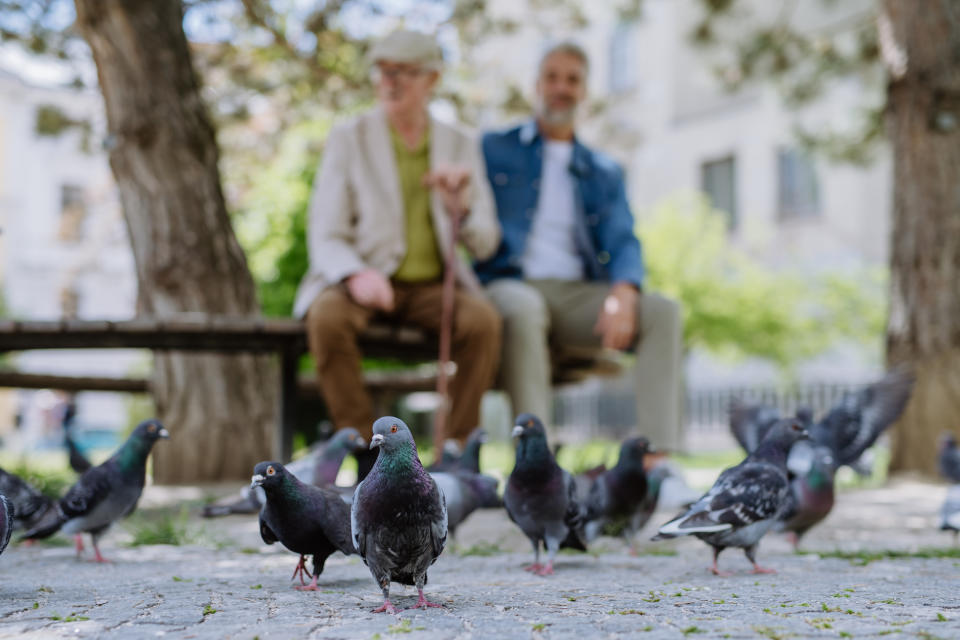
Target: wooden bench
{"type": "Point", "coordinates": [204, 333]}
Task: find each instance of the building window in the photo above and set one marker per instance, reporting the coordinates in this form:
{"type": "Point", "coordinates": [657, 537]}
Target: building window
{"type": "Point", "coordinates": [623, 56]}
{"type": "Point", "coordinates": [718, 179]}
{"type": "Point", "coordinates": [73, 212]}
{"type": "Point", "coordinates": [798, 191]}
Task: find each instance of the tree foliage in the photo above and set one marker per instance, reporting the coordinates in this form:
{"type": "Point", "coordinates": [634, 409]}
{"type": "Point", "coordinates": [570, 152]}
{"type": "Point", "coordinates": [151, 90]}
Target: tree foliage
{"type": "Point", "coordinates": [735, 307]}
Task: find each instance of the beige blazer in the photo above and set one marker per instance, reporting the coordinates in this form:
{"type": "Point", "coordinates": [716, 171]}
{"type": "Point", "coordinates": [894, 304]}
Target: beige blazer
{"type": "Point", "coordinates": [356, 210]}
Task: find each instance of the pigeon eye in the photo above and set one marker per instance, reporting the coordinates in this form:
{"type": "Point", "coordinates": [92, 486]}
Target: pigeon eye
{"type": "Point", "coordinates": [529, 423]}
{"type": "Point", "coordinates": [270, 471]}
{"type": "Point", "coordinates": [393, 429]}
{"type": "Point", "coordinates": [152, 428]}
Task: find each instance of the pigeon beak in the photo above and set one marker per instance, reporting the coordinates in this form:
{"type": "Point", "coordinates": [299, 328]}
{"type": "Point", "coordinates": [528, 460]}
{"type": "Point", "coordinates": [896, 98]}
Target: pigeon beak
{"type": "Point", "coordinates": [164, 434]}
{"type": "Point", "coordinates": [256, 480]}
{"type": "Point", "coordinates": [517, 431]}
{"type": "Point", "coordinates": [376, 440]}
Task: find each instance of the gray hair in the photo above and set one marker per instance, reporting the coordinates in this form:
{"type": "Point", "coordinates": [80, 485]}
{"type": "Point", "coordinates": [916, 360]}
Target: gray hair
{"type": "Point", "coordinates": [569, 48]}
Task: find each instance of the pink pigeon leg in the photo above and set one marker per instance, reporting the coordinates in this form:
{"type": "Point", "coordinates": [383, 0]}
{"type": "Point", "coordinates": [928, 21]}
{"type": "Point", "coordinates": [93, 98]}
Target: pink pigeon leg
{"type": "Point", "coordinates": [97, 557]}
{"type": "Point", "coordinates": [310, 587]}
{"type": "Point", "coordinates": [715, 570]}
{"type": "Point", "coordinates": [387, 607]}
{"type": "Point", "coordinates": [302, 569]}
{"type": "Point", "coordinates": [78, 540]}
{"type": "Point", "coordinates": [536, 567]}
{"type": "Point", "coordinates": [758, 569]}
{"type": "Point", "coordinates": [546, 570]}
{"type": "Point", "coordinates": [423, 603]}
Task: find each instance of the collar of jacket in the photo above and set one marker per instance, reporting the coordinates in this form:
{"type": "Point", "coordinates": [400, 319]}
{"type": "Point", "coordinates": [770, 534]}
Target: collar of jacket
{"type": "Point", "coordinates": [580, 159]}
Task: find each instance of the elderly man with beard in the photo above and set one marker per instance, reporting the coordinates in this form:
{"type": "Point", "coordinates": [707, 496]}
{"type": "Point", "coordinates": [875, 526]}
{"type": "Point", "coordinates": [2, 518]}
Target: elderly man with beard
{"type": "Point", "coordinates": [378, 233]}
{"type": "Point", "coordinates": [568, 273]}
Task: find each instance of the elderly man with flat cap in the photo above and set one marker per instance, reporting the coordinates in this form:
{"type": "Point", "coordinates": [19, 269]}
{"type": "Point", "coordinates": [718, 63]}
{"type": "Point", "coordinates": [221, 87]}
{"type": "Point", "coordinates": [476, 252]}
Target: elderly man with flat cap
{"type": "Point", "coordinates": [378, 230]}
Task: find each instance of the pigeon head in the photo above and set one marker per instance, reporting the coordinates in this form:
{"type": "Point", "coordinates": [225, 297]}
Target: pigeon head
{"type": "Point", "coordinates": [349, 439]}
{"type": "Point", "coordinates": [150, 431]}
{"type": "Point", "coordinates": [391, 434]}
{"type": "Point", "coordinates": [269, 475]}
{"type": "Point", "coordinates": [633, 452]}
{"type": "Point", "coordinates": [805, 415]}
{"type": "Point", "coordinates": [531, 439]}
{"type": "Point", "coordinates": [781, 436]}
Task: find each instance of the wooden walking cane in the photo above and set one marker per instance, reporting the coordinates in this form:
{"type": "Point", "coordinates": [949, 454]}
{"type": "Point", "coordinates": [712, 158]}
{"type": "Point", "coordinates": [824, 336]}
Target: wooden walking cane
{"type": "Point", "coordinates": [446, 329]}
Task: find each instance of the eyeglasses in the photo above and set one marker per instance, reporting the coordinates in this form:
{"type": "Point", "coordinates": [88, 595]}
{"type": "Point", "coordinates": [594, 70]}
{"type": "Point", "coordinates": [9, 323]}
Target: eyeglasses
{"type": "Point", "coordinates": [379, 72]}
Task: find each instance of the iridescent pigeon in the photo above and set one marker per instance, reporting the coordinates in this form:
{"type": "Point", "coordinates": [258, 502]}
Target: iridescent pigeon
{"type": "Point", "coordinates": [104, 493]}
{"type": "Point", "coordinates": [399, 517]}
{"type": "Point", "coordinates": [541, 498]}
{"type": "Point", "coordinates": [617, 497]}
{"type": "Point", "coordinates": [309, 520]}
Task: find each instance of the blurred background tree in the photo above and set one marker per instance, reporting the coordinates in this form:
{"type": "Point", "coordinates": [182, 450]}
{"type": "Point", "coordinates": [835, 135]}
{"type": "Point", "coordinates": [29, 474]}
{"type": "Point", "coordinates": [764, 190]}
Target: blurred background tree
{"type": "Point", "coordinates": [910, 50]}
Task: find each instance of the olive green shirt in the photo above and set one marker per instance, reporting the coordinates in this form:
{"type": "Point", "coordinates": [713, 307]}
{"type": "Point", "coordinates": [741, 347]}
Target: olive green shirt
{"type": "Point", "coordinates": [422, 261]}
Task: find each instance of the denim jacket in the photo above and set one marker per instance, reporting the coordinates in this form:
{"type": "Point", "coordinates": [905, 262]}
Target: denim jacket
{"type": "Point", "coordinates": [604, 231]}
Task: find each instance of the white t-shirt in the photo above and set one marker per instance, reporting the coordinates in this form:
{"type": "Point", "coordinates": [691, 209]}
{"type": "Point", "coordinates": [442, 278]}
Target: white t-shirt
{"type": "Point", "coordinates": [551, 251]}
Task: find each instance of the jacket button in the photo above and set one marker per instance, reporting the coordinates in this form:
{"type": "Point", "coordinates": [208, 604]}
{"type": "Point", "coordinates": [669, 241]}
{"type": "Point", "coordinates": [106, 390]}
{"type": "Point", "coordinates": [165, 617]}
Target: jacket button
{"type": "Point", "coordinates": [500, 179]}
{"type": "Point", "coordinates": [603, 257]}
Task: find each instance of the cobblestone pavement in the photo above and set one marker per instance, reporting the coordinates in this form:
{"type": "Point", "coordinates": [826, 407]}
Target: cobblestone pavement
{"type": "Point", "coordinates": [233, 586]}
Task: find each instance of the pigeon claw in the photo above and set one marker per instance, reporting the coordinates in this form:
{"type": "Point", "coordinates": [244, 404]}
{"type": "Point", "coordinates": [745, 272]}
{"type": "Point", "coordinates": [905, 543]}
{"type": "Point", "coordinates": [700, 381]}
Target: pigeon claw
{"type": "Point", "coordinates": [545, 570]}
{"type": "Point", "coordinates": [536, 567]}
{"type": "Point", "coordinates": [386, 608]}
{"type": "Point", "coordinates": [301, 570]}
{"type": "Point", "coordinates": [423, 603]}
{"type": "Point", "coordinates": [758, 569]}
{"type": "Point", "coordinates": [721, 574]}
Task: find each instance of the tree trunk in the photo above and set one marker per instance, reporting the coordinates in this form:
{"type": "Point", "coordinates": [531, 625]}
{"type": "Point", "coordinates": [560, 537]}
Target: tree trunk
{"type": "Point", "coordinates": [920, 42]}
{"type": "Point", "coordinates": [220, 410]}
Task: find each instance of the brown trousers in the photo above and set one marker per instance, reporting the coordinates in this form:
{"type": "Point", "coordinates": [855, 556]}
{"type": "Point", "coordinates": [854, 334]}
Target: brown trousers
{"type": "Point", "coordinates": [334, 322]}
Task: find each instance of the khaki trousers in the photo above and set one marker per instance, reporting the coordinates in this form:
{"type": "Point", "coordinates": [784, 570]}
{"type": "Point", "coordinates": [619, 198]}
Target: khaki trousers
{"type": "Point", "coordinates": [335, 321]}
{"type": "Point", "coordinates": [538, 314]}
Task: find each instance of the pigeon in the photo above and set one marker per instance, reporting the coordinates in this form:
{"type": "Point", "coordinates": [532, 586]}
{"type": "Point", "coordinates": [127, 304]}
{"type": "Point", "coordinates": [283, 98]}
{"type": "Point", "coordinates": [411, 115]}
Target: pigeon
{"type": "Point", "coordinates": [319, 467]}
{"type": "Point", "coordinates": [78, 462]}
{"type": "Point", "coordinates": [854, 424]}
{"type": "Point", "coordinates": [469, 460]}
{"type": "Point", "coordinates": [464, 493]}
{"type": "Point", "coordinates": [541, 498]}
{"type": "Point", "coordinates": [746, 500]}
{"type": "Point", "coordinates": [616, 498]}
{"type": "Point", "coordinates": [6, 522]}
{"type": "Point", "coordinates": [309, 520]}
{"type": "Point", "coordinates": [950, 512]}
{"type": "Point", "coordinates": [104, 493]}
{"type": "Point", "coordinates": [811, 471]}
{"type": "Point", "coordinates": [949, 459]}
{"type": "Point", "coordinates": [399, 517]}
{"type": "Point", "coordinates": [29, 505]}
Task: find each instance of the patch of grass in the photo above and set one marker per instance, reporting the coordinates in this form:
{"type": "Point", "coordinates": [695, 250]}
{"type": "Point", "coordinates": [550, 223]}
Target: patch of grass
{"type": "Point", "coordinates": [770, 632]}
{"type": "Point", "coordinates": [73, 617]}
{"type": "Point", "coordinates": [163, 527]}
{"type": "Point", "coordinates": [846, 634]}
{"type": "Point", "coordinates": [941, 617]}
{"type": "Point", "coordinates": [249, 551]}
{"type": "Point", "coordinates": [404, 626]}
{"type": "Point", "coordinates": [690, 630]}
{"type": "Point", "coordinates": [482, 549]}
{"type": "Point", "coordinates": [45, 589]}
{"type": "Point", "coordinates": [821, 623]}
{"type": "Point", "coordinates": [862, 558]}
{"type": "Point", "coordinates": [658, 552]}
{"type": "Point", "coordinates": [257, 586]}
{"type": "Point", "coordinates": [539, 626]}
{"type": "Point", "coordinates": [36, 605]}
{"type": "Point", "coordinates": [208, 610]}
{"type": "Point", "coordinates": [628, 612]}
{"type": "Point", "coordinates": [179, 579]}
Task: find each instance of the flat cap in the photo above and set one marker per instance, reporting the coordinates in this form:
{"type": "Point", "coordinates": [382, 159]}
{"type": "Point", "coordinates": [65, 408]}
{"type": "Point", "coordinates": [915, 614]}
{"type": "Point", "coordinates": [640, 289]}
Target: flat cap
{"type": "Point", "coordinates": [412, 47]}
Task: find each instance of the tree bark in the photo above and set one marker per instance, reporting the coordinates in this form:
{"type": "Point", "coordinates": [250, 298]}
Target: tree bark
{"type": "Point", "coordinates": [220, 410]}
{"type": "Point", "coordinates": [920, 42]}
